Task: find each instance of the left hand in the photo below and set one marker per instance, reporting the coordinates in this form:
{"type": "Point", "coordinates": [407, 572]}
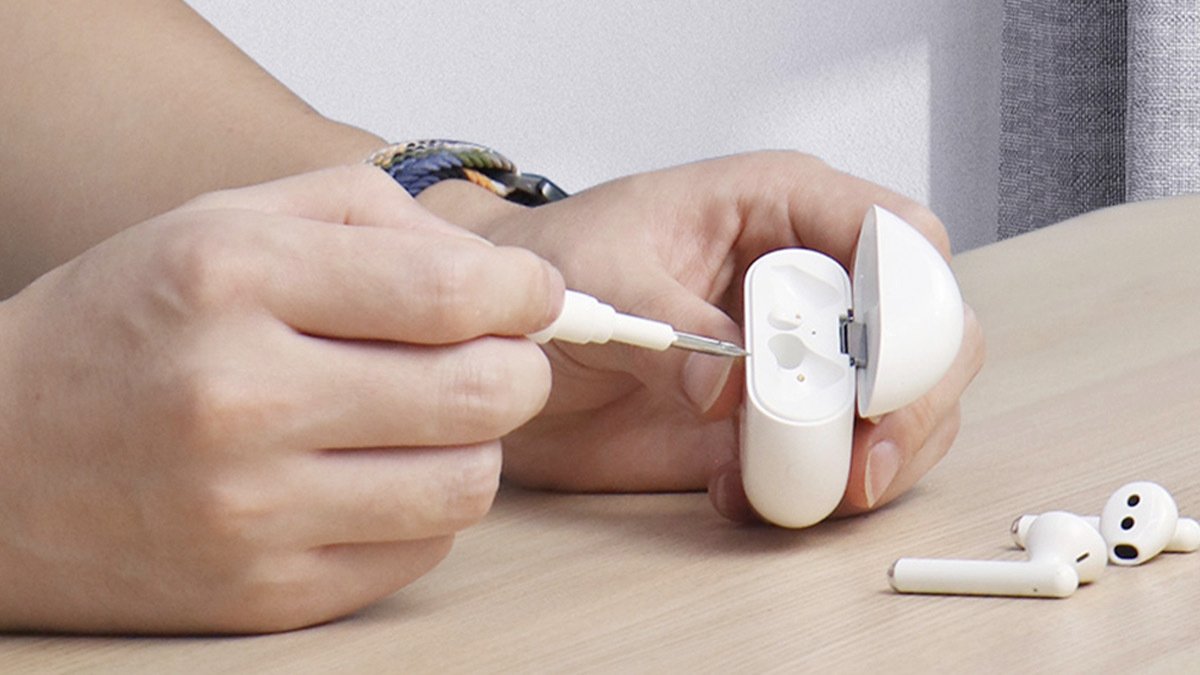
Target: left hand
{"type": "Point", "coordinates": [674, 245]}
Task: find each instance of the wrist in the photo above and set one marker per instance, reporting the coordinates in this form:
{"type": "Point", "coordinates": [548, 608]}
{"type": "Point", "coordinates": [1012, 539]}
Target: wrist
{"type": "Point", "coordinates": [468, 206]}
{"type": "Point", "coordinates": [324, 143]}
{"type": "Point", "coordinates": [468, 184]}
{"type": "Point", "coordinates": [300, 144]}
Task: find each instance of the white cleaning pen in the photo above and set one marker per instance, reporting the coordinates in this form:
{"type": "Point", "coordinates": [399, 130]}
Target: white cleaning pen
{"type": "Point", "coordinates": [586, 320]}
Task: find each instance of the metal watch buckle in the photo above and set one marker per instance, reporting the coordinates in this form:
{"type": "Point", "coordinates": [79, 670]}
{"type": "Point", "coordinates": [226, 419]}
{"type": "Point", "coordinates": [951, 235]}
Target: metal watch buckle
{"type": "Point", "coordinates": [531, 189]}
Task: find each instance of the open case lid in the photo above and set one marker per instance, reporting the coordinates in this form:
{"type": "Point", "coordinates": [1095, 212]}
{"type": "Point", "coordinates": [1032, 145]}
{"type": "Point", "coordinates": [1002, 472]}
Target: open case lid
{"type": "Point", "coordinates": [908, 312]}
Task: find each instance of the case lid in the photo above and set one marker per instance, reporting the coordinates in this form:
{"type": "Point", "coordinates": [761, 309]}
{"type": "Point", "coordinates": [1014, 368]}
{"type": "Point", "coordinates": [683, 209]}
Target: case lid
{"type": "Point", "coordinates": [908, 303]}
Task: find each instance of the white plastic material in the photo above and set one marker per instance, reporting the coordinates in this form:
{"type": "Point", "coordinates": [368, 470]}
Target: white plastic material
{"type": "Point", "coordinates": [799, 415]}
{"type": "Point", "coordinates": [586, 320]}
{"type": "Point", "coordinates": [906, 296]}
{"type": "Point", "coordinates": [801, 387]}
{"type": "Point", "coordinates": [1138, 521]}
{"type": "Point", "coordinates": [983, 577]}
{"type": "Point", "coordinates": [1184, 539]}
{"type": "Point", "coordinates": [1064, 551]}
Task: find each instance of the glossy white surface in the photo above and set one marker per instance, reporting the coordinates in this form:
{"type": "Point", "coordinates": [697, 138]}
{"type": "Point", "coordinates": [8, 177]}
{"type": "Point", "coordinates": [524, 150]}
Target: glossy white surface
{"type": "Point", "coordinates": [799, 413]}
{"type": "Point", "coordinates": [1138, 521]}
{"type": "Point", "coordinates": [908, 300]}
{"type": "Point", "coordinates": [798, 420]}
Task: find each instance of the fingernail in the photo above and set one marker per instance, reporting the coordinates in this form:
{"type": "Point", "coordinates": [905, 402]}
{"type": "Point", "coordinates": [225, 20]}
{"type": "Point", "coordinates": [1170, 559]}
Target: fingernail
{"type": "Point", "coordinates": [728, 498]}
{"type": "Point", "coordinates": [704, 378]}
{"type": "Point", "coordinates": [717, 493]}
{"type": "Point", "coordinates": [883, 463]}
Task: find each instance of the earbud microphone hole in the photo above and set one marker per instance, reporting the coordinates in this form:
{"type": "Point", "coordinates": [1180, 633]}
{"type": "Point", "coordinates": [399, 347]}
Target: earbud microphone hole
{"type": "Point", "coordinates": [1127, 523]}
{"type": "Point", "coordinates": [1125, 551]}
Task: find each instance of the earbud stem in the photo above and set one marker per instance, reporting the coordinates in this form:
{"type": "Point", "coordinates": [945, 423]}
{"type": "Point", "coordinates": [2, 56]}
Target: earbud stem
{"type": "Point", "coordinates": [983, 577]}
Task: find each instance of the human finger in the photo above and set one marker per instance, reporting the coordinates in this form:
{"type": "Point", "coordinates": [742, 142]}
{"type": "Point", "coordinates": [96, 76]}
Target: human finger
{"type": "Point", "coordinates": [914, 439]}
{"type": "Point", "coordinates": [891, 455]}
{"type": "Point", "coordinates": [394, 494]}
{"type": "Point", "coordinates": [706, 384]}
{"type": "Point", "coordinates": [783, 195]}
{"type": "Point", "coordinates": [348, 195]}
{"type": "Point", "coordinates": [642, 443]}
{"type": "Point", "coordinates": [374, 394]}
{"type": "Point", "coordinates": [361, 574]}
{"type": "Point", "coordinates": [324, 583]}
{"type": "Point", "coordinates": [727, 493]}
{"type": "Point", "coordinates": [937, 446]}
{"type": "Point", "coordinates": [362, 282]}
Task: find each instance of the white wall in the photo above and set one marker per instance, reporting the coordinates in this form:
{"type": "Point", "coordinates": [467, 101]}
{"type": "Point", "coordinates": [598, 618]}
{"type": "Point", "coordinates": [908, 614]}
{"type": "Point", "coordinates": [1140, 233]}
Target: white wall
{"type": "Point", "coordinates": [902, 93]}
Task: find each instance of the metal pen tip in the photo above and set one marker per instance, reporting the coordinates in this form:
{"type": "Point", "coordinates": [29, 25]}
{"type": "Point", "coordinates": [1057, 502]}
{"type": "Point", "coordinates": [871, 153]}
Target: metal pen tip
{"type": "Point", "coordinates": [707, 345]}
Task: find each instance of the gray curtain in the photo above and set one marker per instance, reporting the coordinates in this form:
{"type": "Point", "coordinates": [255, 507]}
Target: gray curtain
{"type": "Point", "coordinates": [1100, 104]}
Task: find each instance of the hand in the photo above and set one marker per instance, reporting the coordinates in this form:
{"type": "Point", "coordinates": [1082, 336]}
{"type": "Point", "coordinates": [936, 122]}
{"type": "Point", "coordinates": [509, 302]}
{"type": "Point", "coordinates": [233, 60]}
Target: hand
{"type": "Point", "coordinates": [674, 245]}
{"type": "Point", "coordinates": [263, 410]}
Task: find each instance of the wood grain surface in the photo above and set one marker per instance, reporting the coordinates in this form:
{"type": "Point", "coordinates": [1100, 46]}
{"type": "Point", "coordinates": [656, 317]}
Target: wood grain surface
{"type": "Point", "coordinates": [1092, 380]}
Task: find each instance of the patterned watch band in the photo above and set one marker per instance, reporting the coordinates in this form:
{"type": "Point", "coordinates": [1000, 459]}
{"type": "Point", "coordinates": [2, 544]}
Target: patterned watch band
{"type": "Point", "coordinates": [417, 165]}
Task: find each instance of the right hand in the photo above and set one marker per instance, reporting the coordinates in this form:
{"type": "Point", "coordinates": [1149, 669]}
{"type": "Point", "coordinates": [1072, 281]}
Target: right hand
{"type": "Point", "coordinates": [675, 244]}
{"type": "Point", "coordinates": [263, 410]}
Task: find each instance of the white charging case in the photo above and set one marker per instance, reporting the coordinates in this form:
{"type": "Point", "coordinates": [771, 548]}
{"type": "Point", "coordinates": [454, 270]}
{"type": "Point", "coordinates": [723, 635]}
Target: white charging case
{"type": "Point", "coordinates": [818, 344]}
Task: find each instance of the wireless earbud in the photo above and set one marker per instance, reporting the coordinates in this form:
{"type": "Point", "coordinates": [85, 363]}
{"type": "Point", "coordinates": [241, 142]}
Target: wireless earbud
{"type": "Point", "coordinates": [1064, 551]}
{"type": "Point", "coordinates": [1185, 539]}
{"type": "Point", "coordinates": [1139, 521]}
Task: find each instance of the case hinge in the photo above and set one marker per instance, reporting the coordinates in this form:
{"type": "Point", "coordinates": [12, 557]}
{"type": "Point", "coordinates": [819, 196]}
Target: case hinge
{"type": "Point", "coordinates": [854, 340]}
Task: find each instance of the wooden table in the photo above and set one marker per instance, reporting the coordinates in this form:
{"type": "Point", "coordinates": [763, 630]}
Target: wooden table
{"type": "Point", "coordinates": [1092, 380]}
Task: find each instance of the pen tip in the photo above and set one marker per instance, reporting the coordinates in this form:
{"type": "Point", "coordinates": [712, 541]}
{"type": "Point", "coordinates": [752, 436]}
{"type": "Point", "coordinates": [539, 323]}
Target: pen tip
{"type": "Point", "coordinates": [707, 345]}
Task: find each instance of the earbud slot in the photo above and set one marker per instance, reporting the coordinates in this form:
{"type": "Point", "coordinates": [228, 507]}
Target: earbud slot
{"type": "Point", "coordinates": [793, 356]}
{"type": "Point", "coordinates": [799, 372]}
{"type": "Point", "coordinates": [795, 286]}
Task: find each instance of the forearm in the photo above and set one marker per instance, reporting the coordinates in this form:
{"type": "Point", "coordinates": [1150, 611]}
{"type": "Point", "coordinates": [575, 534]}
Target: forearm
{"type": "Point", "coordinates": [114, 111]}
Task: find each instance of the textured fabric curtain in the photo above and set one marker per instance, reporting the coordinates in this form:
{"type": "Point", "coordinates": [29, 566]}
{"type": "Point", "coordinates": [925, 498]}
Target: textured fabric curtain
{"type": "Point", "coordinates": [1100, 104]}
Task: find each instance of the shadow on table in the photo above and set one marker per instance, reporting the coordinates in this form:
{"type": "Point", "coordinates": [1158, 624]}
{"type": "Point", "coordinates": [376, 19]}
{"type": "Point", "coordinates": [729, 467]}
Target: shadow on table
{"type": "Point", "coordinates": [685, 522]}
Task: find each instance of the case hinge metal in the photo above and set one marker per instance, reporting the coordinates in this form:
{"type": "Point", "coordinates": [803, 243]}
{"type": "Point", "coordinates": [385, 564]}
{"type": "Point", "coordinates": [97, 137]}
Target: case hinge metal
{"type": "Point", "coordinates": [854, 340]}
